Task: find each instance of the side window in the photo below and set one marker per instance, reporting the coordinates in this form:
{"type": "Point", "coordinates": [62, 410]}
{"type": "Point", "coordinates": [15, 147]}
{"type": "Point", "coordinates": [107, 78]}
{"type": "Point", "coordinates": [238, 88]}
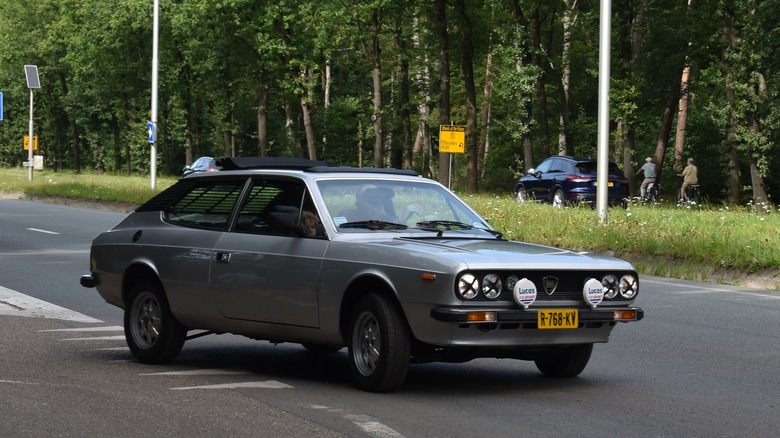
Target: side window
{"type": "Point", "coordinates": [279, 207]}
{"type": "Point", "coordinates": [206, 205]}
{"type": "Point", "coordinates": [545, 166]}
{"type": "Point", "coordinates": [557, 166]}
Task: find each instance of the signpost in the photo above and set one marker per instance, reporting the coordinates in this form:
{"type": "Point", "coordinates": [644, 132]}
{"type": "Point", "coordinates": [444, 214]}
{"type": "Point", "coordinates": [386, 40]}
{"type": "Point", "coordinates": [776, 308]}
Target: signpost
{"type": "Point", "coordinates": [27, 143]}
{"type": "Point", "coordinates": [31, 73]}
{"type": "Point", "coordinates": [1, 105]}
{"type": "Point", "coordinates": [452, 140]}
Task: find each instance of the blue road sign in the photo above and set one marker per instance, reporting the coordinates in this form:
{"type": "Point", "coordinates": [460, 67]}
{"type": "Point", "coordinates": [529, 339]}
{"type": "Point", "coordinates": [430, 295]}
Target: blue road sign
{"type": "Point", "coordinates": [1, 105]}
{"type": "Point", "coordinates": [150, 131]}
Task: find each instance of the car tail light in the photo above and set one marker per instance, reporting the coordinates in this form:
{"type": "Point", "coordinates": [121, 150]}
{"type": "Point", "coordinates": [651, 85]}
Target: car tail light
{"type": "Point", "coordinates": [579, 179]}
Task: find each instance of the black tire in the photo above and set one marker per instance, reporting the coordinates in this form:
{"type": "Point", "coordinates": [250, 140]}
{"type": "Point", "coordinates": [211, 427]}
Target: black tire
{"type": "Point", "coordinates": [566, 362]}
{"type": "Point", "coordinates": [557, 199]}
{"type": "Point", "coordinates": [379, 345]}
{"type": "Point", "coordinates": [152, 333]}
{"type": "Point", "coordinates": [521, 195]}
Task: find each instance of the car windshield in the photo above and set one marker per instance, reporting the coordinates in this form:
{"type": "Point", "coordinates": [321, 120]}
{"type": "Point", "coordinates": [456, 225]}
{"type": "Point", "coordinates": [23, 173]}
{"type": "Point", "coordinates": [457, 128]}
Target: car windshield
{"type": "Point", "coordinates": [367, 205]}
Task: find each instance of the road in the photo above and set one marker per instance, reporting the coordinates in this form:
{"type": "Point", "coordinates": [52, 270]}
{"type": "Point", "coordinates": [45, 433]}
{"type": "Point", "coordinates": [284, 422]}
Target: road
{"type": "Point", "coordinates": [704, 362]}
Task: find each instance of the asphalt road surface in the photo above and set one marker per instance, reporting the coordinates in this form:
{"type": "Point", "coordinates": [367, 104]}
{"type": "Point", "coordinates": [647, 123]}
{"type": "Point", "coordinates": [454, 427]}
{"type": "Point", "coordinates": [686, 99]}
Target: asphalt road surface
{"type": "Point", "coordinates": [703, 363]}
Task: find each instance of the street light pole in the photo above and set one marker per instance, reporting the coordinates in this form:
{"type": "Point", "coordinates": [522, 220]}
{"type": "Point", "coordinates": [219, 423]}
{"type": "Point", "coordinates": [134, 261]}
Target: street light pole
{"type": "Point", "coordinates": [602, 166]}
{"type": "Point", "coordinates": [155, 38]}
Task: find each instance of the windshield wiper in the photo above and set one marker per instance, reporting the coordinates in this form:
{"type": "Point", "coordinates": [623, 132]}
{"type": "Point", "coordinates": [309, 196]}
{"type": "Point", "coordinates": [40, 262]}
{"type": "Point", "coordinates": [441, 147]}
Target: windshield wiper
{"type": "Point", "coordinates": [441, 225]}
{"type": "Point", "coordinates": [374, 225]}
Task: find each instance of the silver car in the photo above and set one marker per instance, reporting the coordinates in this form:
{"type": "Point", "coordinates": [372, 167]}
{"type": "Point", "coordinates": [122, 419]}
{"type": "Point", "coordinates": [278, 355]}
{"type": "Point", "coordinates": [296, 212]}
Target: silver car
{"type": "Point", "coordinates": [389, 264]}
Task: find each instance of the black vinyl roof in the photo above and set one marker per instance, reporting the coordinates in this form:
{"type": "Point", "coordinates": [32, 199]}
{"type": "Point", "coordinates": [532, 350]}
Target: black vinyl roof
{"type": "Point", "coordinates": [247, 163]}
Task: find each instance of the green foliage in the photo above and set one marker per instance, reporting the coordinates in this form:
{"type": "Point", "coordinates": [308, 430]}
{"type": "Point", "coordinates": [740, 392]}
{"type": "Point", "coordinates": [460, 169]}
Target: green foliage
{"type": "Point", "coordinates": [216, 57]}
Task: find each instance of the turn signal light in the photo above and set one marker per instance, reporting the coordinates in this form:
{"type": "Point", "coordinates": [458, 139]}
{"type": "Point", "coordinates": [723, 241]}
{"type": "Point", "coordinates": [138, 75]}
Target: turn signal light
{"type": "Point", "coordinates": [481, 317]}
{"type": "Point", "coordinates": [624, 315]}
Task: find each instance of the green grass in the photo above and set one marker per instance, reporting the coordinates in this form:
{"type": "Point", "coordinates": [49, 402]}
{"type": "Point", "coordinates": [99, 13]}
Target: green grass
{"type": "Point", "coordinates": [743, 239]}
{"type": "Point", "coordinates": [84, 186]}
{"type": "Point", "coordinates": [695, 243]}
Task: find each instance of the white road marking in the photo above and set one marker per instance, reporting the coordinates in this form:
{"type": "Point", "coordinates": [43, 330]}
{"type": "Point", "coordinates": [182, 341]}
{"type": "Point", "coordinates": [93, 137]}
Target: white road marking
{"type": "Point", "coordinates": [38, 230]}
{"type": "Point", "coordinates": [363, 422]}
{"type": "Point", "coordinates": [17, 382]}
{"type": "Point", "coordinates": [98, 338]}
{"type": "Point", "coordinates": [373, 427]}
{"type": "Point", "coordinates": [109, 328]}
{"type": "Point", "coordinates": [268, 384]}
{"type": "Point", "coordinates": [203, 372]}
{"type": "Point", "coordinates": [18, 304]}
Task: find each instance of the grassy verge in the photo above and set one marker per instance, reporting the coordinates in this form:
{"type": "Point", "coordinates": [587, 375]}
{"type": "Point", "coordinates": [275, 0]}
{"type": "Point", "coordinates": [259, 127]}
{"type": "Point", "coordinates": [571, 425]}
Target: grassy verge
{"type": "Point", "coordinates": [90, 187]}
{"type": "Point", "coordinates": [710, 243]}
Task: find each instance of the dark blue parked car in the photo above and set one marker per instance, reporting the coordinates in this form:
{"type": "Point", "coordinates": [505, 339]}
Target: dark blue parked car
{"type": "Point", "coordinates": [562, 180]}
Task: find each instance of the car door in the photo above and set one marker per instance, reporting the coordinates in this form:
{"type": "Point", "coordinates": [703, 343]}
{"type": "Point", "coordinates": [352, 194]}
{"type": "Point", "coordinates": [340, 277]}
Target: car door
{"type": "Point", "coordinates": [267, 267]}
{"type": "Point", "coordinates": [535, 184]}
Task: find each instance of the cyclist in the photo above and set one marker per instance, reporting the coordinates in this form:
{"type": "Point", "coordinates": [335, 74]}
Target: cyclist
{"type": "Point", "coordinates": [690, 177]}
{"type": "Point", "coordinates": [649, 170]}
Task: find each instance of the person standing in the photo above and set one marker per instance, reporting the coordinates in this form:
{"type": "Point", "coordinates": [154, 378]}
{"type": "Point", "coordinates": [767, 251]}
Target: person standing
{"type": "Point", "coordinates": [649, 170]}
{"type": "Point", "coordinates": [690, 176]}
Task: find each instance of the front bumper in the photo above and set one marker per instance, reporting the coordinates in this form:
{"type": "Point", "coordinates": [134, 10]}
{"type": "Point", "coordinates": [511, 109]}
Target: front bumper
{"type": "Point", "coordinates": [529, 317]}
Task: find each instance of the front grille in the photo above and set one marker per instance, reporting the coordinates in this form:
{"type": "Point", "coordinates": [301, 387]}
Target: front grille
{"type": "Point", "coordinates": [569, 288]}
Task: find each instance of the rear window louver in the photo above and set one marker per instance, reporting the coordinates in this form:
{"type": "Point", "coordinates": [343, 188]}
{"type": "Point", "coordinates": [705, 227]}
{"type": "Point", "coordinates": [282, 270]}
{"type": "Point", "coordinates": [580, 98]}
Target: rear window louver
{"type": "Point", "coordinates": [165, 198]}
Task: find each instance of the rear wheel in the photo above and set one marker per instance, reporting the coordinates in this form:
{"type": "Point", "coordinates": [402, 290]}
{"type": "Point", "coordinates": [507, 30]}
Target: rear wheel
{"type": "Point", "coordinates": [566, 362]}
{"type": "Point", "coordinates": [379, 346]}
{"type": "Point", "coordinates": [557, 198]}
{"type": "Point", "coordinates": [151, 331]}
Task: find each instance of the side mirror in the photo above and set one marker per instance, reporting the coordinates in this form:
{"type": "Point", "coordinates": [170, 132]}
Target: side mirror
{"type": "Point", "coordinates": [531, 171]}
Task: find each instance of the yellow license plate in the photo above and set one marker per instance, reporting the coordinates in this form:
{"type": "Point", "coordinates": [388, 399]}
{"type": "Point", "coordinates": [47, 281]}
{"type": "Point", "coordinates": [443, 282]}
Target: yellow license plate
{"type": "Point", "coordinates": [557, 318]}
{"type": "Point", "coordinates": [609, 184]}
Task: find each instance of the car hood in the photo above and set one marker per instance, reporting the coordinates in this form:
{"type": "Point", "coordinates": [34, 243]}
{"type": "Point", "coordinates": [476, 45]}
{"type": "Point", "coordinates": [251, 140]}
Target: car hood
{"type": "Point", "coordinates": [496, 254]}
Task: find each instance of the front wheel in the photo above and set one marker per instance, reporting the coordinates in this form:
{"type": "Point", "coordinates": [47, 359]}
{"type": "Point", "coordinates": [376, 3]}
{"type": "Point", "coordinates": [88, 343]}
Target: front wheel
{"type": "Point", "coordinates": [557, 198]}
{"type": "Point", "coordinates": [152, 333]}
{"type": "Point", "coordinates": [566, 362]}
{"type": "Point", "coordinates": [521, 195]}
{"type": "Point", "coordinates": [379, 346]}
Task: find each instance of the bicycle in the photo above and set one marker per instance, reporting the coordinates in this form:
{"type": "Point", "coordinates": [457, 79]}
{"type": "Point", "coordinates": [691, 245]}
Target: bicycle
{"type": "Point", "coordinates": [652, 193]}
{"type": "Point", "coordinates": [692, 195]}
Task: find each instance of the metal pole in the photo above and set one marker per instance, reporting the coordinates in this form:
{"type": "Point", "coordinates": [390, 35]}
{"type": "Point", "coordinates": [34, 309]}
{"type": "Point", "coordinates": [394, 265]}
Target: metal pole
{"type": "Point", "coordinates": [30, 141]}
{"type": "Point", "coordinates": [155, 38]}
{"type": "Point", "coordinates": [602, 168]}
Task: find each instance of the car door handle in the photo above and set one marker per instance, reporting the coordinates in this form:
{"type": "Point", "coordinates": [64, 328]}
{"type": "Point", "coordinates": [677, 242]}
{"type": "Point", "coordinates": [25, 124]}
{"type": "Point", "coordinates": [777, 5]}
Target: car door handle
{"type": "Point", "coordinates": [222, 257]}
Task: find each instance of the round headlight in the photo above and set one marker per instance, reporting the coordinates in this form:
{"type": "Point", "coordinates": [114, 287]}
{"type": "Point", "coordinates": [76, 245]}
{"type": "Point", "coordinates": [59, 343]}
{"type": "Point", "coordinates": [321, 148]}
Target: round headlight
{"type": "Point", "coordinates": [628, 286]}
{"type": "Point", "coordinates": [511, 281]}
{"type": "Point", "coordinates": [491, 286]}
{"type": "Point", "coordinates": [468, 286]}
{"type": "Point", "coordinates": [610, 283]}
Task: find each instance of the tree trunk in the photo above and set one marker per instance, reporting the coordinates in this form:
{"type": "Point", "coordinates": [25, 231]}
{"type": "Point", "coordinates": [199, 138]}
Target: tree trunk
{"type": "Point", "coordinates": [261, 98]}
{"type": "Point", "coordinates": [126, 117]}
{"type": "Point", "coordinates": [569, 18]}
{"type": "Point", "coordinates": [526, 115]}
{"type": "Point", "coordinates": [74, 132]}
{"type": "Point", "coordinates": [467, 66]}
{"type": "Point", "coordinates": [484, 137]}
{"type": "Point", "coordinates": [730, 37]}
{"type": "Point", "coordinates": [666, 129]}
{"type": "Point", "coordinates": [444, 84]}
{"type": "Point", "coordinates": [308, 127]}
{"type": "Point", "coordinates": [376, 74]}
{"type": "Point", "coordinates": [406, 120]}
{"type": "Point", "coordinates": [422, 151]}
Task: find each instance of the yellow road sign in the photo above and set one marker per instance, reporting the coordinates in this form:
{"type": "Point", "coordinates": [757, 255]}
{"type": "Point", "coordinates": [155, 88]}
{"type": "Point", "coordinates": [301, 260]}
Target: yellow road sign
{"type": "Point", "coordinates": [452, 139]}
{"type": "Point", "coordinates": [27, 142]}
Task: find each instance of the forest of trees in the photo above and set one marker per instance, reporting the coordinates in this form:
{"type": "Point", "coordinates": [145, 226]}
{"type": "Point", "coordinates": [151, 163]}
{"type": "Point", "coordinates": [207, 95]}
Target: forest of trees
{"type": "Point", "coordinates": [368, 82]}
